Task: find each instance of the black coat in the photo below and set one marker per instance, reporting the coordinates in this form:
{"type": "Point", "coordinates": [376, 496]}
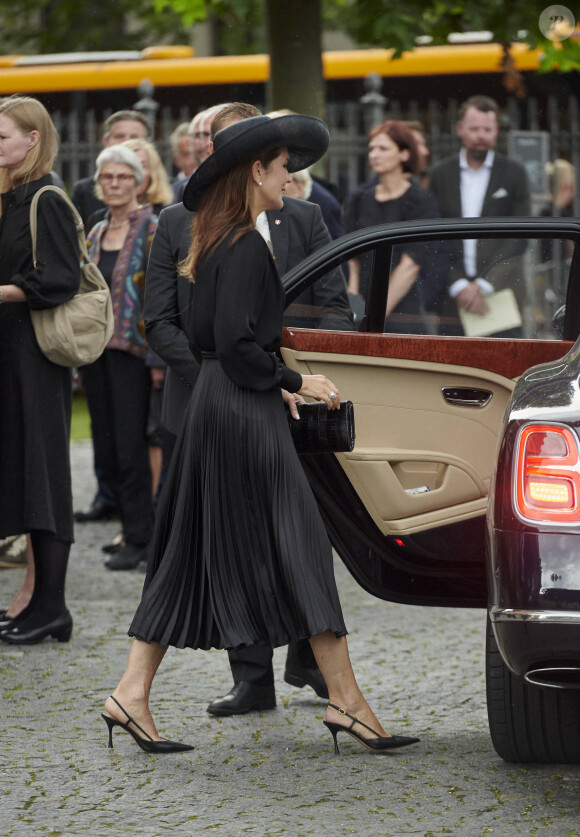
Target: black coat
{"type": "Point", "coordinates": [300, 231]}
{"type": "Point", "coordinates": [35, 394]}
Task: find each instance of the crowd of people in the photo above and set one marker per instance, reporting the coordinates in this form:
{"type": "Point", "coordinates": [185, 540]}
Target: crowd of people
{"type": "Point", "coordinates": [198, 308]}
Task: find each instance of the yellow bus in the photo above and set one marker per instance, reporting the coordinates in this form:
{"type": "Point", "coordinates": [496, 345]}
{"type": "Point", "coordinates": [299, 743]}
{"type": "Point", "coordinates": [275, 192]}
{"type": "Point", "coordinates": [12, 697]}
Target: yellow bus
{"type": "Point", "coordinates": [178, 67]}
{"type": "Point", "coordinates": [109, 79]}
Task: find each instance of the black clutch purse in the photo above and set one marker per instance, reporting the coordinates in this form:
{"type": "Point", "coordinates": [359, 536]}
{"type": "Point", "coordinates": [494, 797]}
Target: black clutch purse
{"type": "Point", "coordinates": [320, 430]}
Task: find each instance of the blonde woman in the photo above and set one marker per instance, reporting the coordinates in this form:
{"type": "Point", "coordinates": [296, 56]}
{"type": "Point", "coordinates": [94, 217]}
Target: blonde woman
{"type": "Point", "coordinates": [156, 188]}
{"type": "Point", "coordinates": [35, 394]}
{"type": "Point", "coordinates": [561, 176]}
{"type": "Point", "coordinates": [561, 188]}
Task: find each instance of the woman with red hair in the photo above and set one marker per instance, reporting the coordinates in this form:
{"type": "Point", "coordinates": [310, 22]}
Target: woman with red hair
{"type": "Point", "coordinates": [391, 196]}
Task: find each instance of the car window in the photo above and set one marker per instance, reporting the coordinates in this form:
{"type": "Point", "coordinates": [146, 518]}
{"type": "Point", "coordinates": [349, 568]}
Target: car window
{"type": "Point", "coordinates": [324, 304]}
{"type": "Point", "coordinates": [517, 290]}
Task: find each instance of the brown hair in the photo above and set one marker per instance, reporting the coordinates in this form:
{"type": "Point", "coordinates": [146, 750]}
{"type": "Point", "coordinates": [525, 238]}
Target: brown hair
{"type": "Point", "coordinates": [483, 103]}
{"type": "Point", "coordinates": [28, 115]}
{"type": "Point", "coordinates": [403, 138]}
{"type": "Point", "coordinates": [235, 111]}
{"type": "Point", "coordinates": [123, 116]}
{"type": "Point", "coordinates": [225, 205]}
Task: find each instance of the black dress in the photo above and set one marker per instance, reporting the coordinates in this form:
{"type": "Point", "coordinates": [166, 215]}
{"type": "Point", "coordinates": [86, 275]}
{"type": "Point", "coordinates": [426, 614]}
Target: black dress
{"type": "Point", "coordinates": [239, 555]}
{"type": "Point", "coordinates": [35, 394]}
{"type": "Point", "coordinates": [364, 210]}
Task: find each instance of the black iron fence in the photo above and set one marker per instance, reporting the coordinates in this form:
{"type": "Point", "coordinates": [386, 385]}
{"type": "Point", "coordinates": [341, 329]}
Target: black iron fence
{"type": "Point", "coordinates": [523, 134]}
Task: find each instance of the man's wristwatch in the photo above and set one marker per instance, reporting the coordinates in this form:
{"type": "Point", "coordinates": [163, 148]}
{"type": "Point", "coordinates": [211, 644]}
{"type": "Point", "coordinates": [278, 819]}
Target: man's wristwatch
{"type": "Point", "coordinates": [1, 295]}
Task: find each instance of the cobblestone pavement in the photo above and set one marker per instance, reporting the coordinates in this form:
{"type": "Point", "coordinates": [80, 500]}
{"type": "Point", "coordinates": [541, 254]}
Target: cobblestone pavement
{"type": "Point", "coordinates": [269, 774]}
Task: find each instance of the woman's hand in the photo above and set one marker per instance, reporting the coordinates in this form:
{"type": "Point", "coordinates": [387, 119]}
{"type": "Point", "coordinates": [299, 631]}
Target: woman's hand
{"type": "Point", "coordinates": [321, 389]}
{"type": "Point", "coordinates": [291, 399]}
{"type": "Point", "coordinates": [12, 293]}
{"type": "Point", "coordinates": [157, 376]}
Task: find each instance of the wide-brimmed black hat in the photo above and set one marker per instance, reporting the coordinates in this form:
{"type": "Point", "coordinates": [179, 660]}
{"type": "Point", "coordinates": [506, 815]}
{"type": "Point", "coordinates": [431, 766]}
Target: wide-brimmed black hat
{"type": "Point", "coordinates": [305, 137]}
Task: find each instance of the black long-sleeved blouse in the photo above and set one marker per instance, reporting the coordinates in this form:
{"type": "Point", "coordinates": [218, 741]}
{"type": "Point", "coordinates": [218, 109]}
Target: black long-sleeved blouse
{"type": "Point", "coordinates": [57, 276]}
{"type": "Point", "coordinates": [237, 313]}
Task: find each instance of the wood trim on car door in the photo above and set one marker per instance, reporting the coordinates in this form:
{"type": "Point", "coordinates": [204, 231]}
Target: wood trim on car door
{"type": "Point", "coordinates": [509, 358]}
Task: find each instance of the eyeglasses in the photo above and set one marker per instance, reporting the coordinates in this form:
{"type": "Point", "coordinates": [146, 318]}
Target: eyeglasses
{"type": "Point", "coordinates": [122, 178]}
{"type": "Point", "coordinates": [201, 134]}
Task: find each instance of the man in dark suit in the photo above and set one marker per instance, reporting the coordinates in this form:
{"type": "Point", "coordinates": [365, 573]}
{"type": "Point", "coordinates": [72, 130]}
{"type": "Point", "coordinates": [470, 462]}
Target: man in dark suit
{"type": "Point", "coordinates": [295, 231]}
{"type": "Point", "coordinates": [304, 186]}
{"type": "Point", "coordinates": [481, 182]}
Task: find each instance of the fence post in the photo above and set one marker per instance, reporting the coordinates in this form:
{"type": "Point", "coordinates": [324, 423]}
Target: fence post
{"type": "Point", "coordinates": [373, 102]}
{"type": "Point", "coordinates": [147, 104]}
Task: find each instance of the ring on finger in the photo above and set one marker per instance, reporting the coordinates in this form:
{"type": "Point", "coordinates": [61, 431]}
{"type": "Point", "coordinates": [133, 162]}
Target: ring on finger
{"type": "Point", "coordinates": [332, 394]}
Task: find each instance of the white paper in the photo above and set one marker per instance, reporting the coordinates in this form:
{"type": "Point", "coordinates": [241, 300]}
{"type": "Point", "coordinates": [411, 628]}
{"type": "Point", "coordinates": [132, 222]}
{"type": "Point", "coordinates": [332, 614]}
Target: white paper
{"type": "Point", "coordinates": [503, 314]}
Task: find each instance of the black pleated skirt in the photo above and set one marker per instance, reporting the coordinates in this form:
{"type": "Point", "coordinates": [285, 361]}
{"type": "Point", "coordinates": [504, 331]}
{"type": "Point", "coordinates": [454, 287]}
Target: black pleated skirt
{"type": "Point", "coordinates": [240, 555]}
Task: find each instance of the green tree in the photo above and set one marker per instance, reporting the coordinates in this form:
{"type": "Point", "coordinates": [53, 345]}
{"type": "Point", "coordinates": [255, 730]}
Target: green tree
{"type": "Point", "coordinates": [380, 23]}
{"type": "Point", "coordinates": [45, 26]}
{"type": "Point", "coordinates": [289, 30]}
{"type": "Point", "coordinates": [293, 34]}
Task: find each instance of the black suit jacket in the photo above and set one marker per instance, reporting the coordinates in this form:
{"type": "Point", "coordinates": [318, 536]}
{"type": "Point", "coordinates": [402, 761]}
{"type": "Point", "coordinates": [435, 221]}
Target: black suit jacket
{"type": "Point", "coordinates": [296, 231]}
{"type": "Point", "coordinates": [330, 208]}
{"type": "Point", "coordinates": [507, 194]}
{"type": "Point", "coordinates": [167, 299]}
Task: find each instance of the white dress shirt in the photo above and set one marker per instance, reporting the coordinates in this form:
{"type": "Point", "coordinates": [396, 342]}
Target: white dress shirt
{"type": "Point", "coordinates": [473, 185]}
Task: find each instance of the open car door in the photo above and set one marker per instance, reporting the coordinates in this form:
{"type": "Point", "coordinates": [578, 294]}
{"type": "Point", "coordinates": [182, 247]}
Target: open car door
{"type": "Point", "coordinates": [406, 508]}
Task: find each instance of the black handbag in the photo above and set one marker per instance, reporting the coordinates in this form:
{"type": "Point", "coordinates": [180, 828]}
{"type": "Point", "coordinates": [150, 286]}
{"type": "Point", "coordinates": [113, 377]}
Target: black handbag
{"type": "Point", "coordinates": [320, 430]}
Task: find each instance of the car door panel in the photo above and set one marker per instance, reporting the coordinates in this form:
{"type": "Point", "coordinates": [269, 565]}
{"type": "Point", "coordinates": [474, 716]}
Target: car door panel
{"type": "Point", "coordinates": [420, 461]}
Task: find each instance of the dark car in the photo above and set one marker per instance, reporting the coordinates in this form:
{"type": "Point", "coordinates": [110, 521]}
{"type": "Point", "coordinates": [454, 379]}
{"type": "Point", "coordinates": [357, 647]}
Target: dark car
{"type": "Point", "coordinates": [463, 488]}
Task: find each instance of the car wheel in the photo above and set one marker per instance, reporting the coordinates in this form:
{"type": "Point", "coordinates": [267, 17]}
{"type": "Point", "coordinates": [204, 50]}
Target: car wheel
{"type": "Point", "coordinates": [528, 723]}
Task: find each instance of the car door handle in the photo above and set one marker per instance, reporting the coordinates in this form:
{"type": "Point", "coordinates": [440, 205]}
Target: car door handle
{"type": "Point", "coordinates": [466, 396]}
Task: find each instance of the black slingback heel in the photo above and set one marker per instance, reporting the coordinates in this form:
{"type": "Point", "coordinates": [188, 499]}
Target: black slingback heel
{"type": "Point", "coordinates": [380, 744]}
{"type": "Point", "coordinates": [148, 744]}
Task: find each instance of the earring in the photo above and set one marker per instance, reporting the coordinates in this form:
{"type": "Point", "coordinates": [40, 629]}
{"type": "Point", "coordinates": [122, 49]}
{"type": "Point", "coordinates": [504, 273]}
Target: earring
{"type": "Point", "coordinates": [259, 182]}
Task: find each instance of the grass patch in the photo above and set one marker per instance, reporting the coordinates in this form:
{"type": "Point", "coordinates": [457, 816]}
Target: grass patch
{"type": "Point", "coordinates": [81, 422]}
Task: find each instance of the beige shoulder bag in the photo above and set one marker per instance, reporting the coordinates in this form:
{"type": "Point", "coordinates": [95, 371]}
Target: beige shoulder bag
{"type": "Point", "coordinates": [76, 332]}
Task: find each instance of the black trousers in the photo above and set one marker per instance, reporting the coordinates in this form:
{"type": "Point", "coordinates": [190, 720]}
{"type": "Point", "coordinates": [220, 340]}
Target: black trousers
{"type": "Point", "coordinates": [117, 387]}
{"type": "Point", "coordinates": [254, 663]}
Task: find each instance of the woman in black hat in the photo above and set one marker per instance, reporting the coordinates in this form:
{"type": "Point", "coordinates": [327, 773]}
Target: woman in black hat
{"type": "Point", "coordinates": [240, 555]}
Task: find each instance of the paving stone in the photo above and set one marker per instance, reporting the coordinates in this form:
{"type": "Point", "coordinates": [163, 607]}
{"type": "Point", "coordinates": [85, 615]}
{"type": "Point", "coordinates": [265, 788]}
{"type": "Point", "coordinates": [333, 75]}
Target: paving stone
{"type": "Point", "coordinates": [272, 774]}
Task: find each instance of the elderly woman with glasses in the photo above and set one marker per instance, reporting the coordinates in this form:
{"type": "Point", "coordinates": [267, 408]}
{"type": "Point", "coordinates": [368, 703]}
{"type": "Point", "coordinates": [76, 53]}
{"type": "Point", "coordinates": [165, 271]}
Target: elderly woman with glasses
{"type": "Point", "coordinates": [118, 384]}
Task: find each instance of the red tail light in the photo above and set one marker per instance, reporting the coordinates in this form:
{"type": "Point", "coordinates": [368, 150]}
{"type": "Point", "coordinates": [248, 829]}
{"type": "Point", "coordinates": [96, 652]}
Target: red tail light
{"type": "Point", "coordinates": [547, 478]}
